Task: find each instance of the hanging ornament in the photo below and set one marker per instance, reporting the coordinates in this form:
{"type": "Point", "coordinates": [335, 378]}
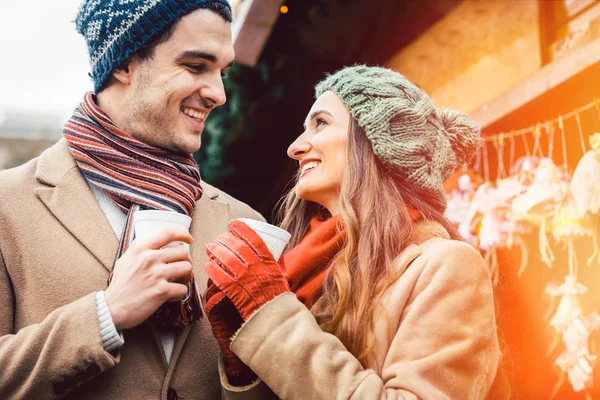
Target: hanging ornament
{"type": "Point", "coordinates": [490, 221]}
{"type": "Point", "coordinates": [585, 183]}
{"type": "Point", "coordinates": [568, 223]}
{"type": "Point", "coordinates": [540, 193]}
{"type": "Point", "coordinates": [540, 203]}
{"type": "Point", "coordinates": [575, 361]}
{"type": "Point", "coordinates": [460, 189]}
{"type": "Point", "coordinates": [585, 186]}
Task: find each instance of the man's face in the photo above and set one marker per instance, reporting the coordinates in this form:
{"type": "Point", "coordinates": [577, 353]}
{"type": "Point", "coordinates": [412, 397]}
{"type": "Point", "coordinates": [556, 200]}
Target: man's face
{"type": "Point", "coordinates": [171, 94]}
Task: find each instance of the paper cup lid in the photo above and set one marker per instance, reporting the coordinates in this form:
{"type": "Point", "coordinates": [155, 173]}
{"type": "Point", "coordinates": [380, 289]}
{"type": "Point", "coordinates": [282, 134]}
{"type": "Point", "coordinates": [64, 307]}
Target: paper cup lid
{"type": "Point", "coordinates": [162, 216]}
{"type": "Point", "coordinates": [274, 237]}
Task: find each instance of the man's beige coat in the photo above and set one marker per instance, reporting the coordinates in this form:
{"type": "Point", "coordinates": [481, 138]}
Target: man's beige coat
{"type": "Point", "coordinates": [56, 250]}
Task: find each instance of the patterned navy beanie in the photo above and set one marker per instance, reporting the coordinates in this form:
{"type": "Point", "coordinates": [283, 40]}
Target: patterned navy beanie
{"type": "Point", "coordinates": [114, 30]}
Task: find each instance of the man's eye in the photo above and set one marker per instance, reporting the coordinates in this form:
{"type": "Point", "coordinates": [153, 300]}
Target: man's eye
{"type": "Point", "coordinates": [223, 74]}
{"type": "Point", "coordinates": [197, 68]}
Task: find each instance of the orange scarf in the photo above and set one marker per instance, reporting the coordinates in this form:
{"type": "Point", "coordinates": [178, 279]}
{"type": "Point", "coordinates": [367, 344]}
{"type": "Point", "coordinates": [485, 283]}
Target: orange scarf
{"type": "Point", "coordinates": [307, 263]}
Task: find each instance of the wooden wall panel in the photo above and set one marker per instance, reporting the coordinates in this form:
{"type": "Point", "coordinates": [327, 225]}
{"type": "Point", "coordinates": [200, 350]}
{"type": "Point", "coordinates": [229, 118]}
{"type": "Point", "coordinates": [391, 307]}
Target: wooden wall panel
{"type": "Point", "coordinates": [477, 52]}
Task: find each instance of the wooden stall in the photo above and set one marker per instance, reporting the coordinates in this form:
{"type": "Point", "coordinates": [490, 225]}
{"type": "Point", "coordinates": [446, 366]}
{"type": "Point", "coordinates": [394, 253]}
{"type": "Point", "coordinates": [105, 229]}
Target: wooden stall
{"type": "Point", "coordinates": [528, 72]}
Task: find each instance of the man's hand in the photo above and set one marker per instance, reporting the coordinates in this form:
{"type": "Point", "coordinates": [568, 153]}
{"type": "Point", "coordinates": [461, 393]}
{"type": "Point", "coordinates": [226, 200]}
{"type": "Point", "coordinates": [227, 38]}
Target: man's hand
{"type": "Point", "coordinates": [146, 276]}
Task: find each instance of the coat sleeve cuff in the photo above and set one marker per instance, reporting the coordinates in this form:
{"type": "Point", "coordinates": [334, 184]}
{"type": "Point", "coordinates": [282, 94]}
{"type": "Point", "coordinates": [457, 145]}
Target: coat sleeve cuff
{"type": "Point", "coordinates": [278, 310]}
{"type": "Point", "coordinates": [256, 390]}
{"type": "Point", "coordinates": [111, 339]}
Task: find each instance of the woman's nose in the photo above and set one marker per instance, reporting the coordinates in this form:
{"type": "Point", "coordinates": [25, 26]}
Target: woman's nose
{"type": "Point", "coordinates": [300, 147]}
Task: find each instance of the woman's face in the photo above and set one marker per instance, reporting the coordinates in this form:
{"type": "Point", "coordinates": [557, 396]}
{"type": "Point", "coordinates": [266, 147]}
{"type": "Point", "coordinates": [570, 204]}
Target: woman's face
{"type": "Point", "coordinates": [321, 152]}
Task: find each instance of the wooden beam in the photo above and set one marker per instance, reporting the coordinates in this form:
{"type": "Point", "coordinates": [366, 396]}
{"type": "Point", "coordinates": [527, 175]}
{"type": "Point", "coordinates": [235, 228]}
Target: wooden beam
{"type": "Point", "coordinates": [543, 80]}
{"type": "Point", "coordinates": [547, 27]}
{"type": "Point", "coordinates": [477, 52]}
{"type": "Point", "coordinates": [252, 27]}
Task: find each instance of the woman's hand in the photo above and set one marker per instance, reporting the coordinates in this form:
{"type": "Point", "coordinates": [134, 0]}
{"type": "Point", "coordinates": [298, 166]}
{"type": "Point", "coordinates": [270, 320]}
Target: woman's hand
{"type": "Point", "coordinates": [225, 321]}
{"type": "Point", "coordinates": [242, 266]}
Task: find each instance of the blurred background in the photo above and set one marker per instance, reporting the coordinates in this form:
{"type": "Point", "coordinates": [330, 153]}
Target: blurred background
{"type": "Point", "coordinates": [525, 70]}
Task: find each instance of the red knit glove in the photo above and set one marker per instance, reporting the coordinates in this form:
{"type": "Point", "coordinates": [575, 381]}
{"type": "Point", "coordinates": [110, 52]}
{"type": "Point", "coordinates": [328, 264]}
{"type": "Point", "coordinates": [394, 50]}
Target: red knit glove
{"type": "Point", "coordinates": [225, 320]}
{"type": "Point", "coordinates": [242, 266]}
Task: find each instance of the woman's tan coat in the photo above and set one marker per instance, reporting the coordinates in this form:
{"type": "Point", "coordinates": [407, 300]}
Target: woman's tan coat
{"type": "Point", "coordinates": [435, 334]}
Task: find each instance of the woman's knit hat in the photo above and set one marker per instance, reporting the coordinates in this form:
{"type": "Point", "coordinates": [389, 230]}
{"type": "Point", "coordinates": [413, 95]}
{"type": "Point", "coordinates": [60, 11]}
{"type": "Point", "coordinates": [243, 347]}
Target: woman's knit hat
{"type": "Point", "coordinates": [423, 145]}
{"type": "Point", "coordinates": [114, 30]}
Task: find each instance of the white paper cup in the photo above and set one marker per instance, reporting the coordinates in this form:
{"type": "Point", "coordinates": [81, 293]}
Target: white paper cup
{"type": "Point", "coordinates": [149, 223]}
{"type": "Point", "coordinates": [275, 238]}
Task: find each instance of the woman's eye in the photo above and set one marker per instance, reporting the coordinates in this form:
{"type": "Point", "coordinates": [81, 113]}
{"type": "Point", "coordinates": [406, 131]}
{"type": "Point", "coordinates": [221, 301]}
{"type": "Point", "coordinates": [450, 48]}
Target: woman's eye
{"type": "Point", "coordinates": [320, 122]}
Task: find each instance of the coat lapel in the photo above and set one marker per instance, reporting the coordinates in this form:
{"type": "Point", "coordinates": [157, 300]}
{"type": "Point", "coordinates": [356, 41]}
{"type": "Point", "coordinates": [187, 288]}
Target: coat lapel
{"type": "Point", "coordinates": [68, 197]}
{"type": "Point", "coordinates": [209, 220]}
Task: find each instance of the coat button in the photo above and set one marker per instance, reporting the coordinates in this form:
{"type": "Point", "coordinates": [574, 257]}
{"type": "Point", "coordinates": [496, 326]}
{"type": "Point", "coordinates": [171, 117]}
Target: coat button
{"type": "Point", "coordinates": [93, 369]}
{"type": "Point", "coordinates": [171, 394]}
{"type": "Point", "coordinates": [69, 382]}
{"type": "Point", "coordinates": [81, 376]}
{"type": "Point", "coordinates": [59, 387]}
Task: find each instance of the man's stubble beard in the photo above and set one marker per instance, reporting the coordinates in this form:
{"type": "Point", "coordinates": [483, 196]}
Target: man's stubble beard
{"type": "Point", "coordinates": [149, 122]}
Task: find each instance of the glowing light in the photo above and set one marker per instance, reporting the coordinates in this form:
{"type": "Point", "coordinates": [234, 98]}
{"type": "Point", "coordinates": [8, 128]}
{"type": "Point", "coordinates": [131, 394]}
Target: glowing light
{"type": "Point", "coordinates": [284, 9]}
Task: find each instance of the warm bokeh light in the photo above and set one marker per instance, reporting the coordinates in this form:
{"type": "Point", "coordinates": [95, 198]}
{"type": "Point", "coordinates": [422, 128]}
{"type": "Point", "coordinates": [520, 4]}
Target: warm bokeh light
{"type": "Point", "coordinates": [284, 9]}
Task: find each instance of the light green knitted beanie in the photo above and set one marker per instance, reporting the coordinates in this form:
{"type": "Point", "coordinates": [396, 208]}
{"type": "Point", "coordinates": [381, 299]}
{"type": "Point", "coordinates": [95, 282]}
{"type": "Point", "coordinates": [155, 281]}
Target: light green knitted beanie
{"type": "Point", "coordinates": [422, 144]}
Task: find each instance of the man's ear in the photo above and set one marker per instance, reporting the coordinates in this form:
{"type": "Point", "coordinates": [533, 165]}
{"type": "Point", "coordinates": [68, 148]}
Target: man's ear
{"type": "Point", "coordinates": [124, 72]}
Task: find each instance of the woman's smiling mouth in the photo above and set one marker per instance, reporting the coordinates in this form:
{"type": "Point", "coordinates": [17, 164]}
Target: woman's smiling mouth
{"type": "Point", "coordinates": [308, 166]}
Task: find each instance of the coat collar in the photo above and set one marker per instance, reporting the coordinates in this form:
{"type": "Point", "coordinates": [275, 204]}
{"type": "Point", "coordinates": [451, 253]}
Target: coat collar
{"type": "Point", "coordinates": [425, 230]}
{"type": "Point", "coordinates": [54, 163]}
{"type": "Point", "coordinates": [66, 194]}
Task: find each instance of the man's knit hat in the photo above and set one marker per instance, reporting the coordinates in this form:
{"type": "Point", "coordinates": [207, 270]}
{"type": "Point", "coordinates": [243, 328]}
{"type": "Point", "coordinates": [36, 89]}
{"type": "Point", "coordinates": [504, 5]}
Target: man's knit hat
{"type": "Point", "coordinates": [114, 30]}
{"type": "Point", "coordinates": [423, 145]}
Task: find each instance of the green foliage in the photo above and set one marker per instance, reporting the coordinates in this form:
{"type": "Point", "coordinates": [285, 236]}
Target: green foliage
{"type": "Point", "coordinates": [246, 88]}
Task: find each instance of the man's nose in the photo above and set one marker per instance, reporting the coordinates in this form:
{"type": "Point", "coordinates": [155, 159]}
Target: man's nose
{"type": "Point", "coordinates": [214, 92]}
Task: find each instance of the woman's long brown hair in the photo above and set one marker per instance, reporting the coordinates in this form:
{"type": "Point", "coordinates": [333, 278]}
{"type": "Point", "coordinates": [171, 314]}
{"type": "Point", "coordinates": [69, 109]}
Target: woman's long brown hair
{"type": "Point", "coordinates": [374, 214]}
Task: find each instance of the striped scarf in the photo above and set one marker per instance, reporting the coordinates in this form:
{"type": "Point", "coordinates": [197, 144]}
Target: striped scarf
{"type": "Point", "coordinates": [137, 177]}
